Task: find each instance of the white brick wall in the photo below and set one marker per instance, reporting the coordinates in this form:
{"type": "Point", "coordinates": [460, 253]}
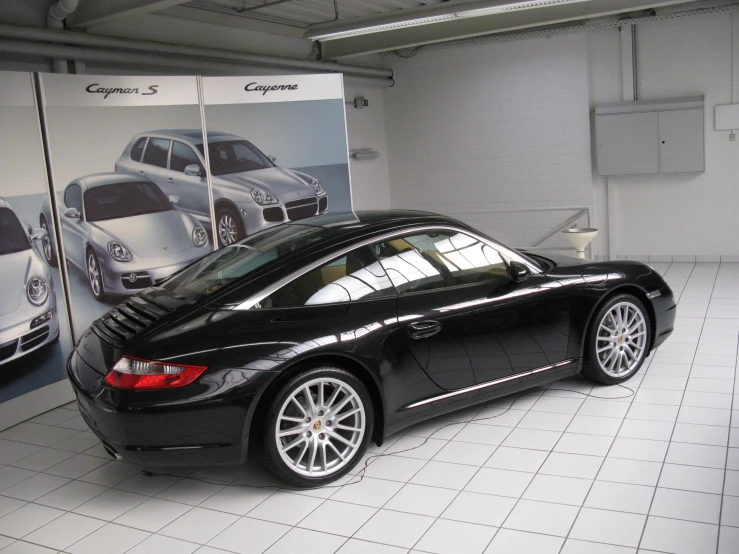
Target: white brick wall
{"type": "Point", "coordinates": [492, 126]}
{"type": "Point", "coordinates": [685, 215]}
{"type": "Point", "coordinates": [506, 125]}
{"type": "Point", "coordinates": [366, 129]}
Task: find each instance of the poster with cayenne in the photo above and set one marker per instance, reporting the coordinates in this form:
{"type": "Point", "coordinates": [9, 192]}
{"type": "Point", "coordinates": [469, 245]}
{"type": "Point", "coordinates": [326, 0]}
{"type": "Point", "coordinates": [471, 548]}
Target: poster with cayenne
{"type": "Point", "coordinates": [132, 203]}
{"type": "Point", "coordinates": [34, 331]}
{"type": "Point", "coordinates": [277, 150]}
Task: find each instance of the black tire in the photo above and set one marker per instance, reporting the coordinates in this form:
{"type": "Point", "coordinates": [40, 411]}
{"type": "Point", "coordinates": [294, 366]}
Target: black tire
{"type": "Point", "coordinates": [631, 347]}
{"type": "Point", "coordinates": [97, 291]}
{"type": "Point", "coordinates": [229, 227]}
{"type": "Point", "coordinates": [317, 427]}
{"type": "Point", "coordinates": [47, 244]}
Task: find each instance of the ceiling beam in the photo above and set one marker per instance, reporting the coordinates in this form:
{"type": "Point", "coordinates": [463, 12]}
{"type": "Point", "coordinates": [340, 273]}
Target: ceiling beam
{"type": "Point", "coordinates": [468, 27]}
{"type": "Point", "coordinates": [93, 13]}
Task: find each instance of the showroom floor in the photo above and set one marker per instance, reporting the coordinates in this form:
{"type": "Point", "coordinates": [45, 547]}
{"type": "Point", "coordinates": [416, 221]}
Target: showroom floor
{"type": "Point", "coordinates": [555, 472]}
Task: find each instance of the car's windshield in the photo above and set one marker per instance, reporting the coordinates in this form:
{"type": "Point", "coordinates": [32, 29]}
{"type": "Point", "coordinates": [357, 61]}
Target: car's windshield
{"type": "Point", "coordinates": [12, 237]}
{"type": "Point", "coordinates": [235, 156]}
{"type": "Point", "coordinates": [230, 264]}
{"type": "Point", "coordinates": [124, 200]}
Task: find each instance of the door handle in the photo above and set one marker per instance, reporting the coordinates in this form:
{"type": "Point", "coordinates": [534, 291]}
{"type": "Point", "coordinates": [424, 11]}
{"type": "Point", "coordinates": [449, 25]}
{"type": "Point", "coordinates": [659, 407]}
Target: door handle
{"type": "Point", "coordinates": [170, 180]}
{"type": "Point", "coordinates": [142, 172]}
{"type": "Point", "coordinates": [424, 329]}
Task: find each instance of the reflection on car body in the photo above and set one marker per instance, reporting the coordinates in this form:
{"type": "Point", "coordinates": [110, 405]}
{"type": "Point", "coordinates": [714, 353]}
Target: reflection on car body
{"type": "Point", "coordinates": [250, 192]}
{"type": "Point", "coordinates": [124, 233]}
{"type": "Point", "coordinates": [28, 315]}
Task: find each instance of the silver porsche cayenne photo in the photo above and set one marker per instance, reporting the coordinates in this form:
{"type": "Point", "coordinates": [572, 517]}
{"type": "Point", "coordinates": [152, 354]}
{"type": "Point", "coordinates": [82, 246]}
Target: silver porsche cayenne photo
{"type": "Point", "coordinates": [28, 314]}
{"type": "Point", "coordinates": [250, 192]}
{"type": "Point", "coordinates": [124, 233]}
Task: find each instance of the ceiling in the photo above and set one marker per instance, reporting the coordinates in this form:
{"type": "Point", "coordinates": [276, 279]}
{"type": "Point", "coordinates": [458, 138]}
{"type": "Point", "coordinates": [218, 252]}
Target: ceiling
{"type": "Point", "coordinates": [311, 19]}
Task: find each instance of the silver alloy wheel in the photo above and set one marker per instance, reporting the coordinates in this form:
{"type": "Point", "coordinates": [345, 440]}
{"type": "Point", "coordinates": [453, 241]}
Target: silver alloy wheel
{"type": "Point", "coordinates": [622, 339]}
{"type": "Point", "coordinates": [227, 231]}
{"type": "Point", "coordinates": [320, 427]}
{"type": "Point", "coordinates": [46, 242]}
{"type": "Point", "coordinates": [93, 274]}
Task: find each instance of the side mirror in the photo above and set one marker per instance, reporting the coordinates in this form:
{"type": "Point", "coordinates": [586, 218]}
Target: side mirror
{"type": "Point", "coordinates": [193, 170]}
{"type": "Point", "coordinates": [518, 271]}
{"type": "Point", "coordinates": [72, 213]}
{"type": "Point", "coordinates": [174, 198]}
{"type": "Point", "coordinates": [39, 234]}
{"type": "Point", "coordinates": [272, 158]}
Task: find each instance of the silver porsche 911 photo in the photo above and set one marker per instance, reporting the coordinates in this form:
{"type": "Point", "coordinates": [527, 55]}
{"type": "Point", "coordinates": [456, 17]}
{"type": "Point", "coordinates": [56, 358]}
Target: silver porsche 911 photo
{"type": "Point", "coordinates": [124, 233]}
{"type": "Point", "coordinates": [28, 316]}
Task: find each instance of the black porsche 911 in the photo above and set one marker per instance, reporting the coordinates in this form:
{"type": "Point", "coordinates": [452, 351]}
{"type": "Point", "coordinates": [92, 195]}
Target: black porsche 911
{"type": "Point", "coordinates": [309, 339]}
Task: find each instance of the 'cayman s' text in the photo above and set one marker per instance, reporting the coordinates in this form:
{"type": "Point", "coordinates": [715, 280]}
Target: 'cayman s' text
{"type": "Point", "coordinates": [95, 88]}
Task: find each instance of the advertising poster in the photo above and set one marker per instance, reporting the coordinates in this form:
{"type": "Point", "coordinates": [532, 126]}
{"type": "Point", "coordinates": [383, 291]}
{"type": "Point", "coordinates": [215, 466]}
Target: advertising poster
{"type": "Point", "coordinates": [34, 331]}
{"type": "Point", "coordinates": [277, 150]}
{"type": "Point", "coordinates": [131, 189]}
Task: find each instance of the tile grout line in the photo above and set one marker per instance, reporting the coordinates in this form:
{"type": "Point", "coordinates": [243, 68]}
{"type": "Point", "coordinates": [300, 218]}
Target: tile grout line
{"type": "Point", "coordinates": [728, 449]}
{"type": "Point", "coordinates": [600, 467]}
{"type": "Point", "coordinates": [509, 408]}
{"type": "Point", "coordinates": [659, 477]}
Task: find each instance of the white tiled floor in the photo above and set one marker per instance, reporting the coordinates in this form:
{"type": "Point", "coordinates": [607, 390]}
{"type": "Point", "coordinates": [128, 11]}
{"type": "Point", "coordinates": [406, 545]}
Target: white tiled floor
{"type": "Point", "coordinates": [558, 473]}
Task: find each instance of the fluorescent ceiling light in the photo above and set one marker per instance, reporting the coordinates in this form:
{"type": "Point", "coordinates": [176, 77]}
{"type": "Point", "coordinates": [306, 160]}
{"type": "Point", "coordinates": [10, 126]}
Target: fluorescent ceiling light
{"type": "Point", "coordinates": [502, 8]}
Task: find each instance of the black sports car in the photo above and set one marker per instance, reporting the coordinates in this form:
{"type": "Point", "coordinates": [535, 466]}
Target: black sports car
{"type": "Point", "coordinates": [308, 340]}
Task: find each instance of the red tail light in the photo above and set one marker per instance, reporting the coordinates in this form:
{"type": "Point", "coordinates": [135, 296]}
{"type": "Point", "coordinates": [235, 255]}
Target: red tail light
{"type": "Point", "coordinates": [135, 373]}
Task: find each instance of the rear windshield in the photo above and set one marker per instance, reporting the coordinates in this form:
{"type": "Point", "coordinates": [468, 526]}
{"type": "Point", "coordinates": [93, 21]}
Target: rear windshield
{"type": "Point", "coordinates": [232, 263]}
{"type": "Point", "coordinates": [124, 200]}
{"type": "Point", "coordinates": [12, 237]}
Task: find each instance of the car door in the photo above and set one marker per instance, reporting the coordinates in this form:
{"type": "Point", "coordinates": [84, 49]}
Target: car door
{"type": "Point", "coordinates": [154, 163]}
{"type": "Point", "coordinates": [191, 189]}
{"type": "Point", "coordinates": [466, 320]}
{"type": "Point", "coordinates": [74, 227]}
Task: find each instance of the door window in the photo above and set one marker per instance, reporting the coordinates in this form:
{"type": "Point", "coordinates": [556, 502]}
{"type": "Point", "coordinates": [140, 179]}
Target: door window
{"type": "Point", "coordinates": [156, 152]}
{"type": "Point", "coordinates": [437, 259]}
{"type": "Point", "coordinates": [356, 276]}
{"type": "Point", "coordinates": [182, 156]}
{"type": "Point", "coordinates": [138, 149]}
{"type": "Point", "coordinates": [73, 197]}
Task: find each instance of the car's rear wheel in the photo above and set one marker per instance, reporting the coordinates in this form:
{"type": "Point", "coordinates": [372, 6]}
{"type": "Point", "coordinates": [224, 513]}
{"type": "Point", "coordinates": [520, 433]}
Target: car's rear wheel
{"type": "Point", "coordinates": [318, 427]}
{"type": "Point", "coordinates": [229, 226]}
{"type": "Point", "coordinates": [618, 340]}
{"type": "Point", "coordinates": [47, 244]}
{"type": "Point", "coordinates": [94, 276]}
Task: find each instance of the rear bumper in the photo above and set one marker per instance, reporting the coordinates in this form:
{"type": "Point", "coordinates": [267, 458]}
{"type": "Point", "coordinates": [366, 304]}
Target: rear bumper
{"type": "Point", "coordinates": [156, 428]}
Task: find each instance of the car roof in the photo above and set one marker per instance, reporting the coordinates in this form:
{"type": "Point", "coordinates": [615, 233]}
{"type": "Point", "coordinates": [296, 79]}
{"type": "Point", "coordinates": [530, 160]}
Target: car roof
{"type": "Point", "coordinates": [194, 136]}
{"type": "Point", "coordinates": [98, 179]}
{"type": "Point", "coordinates": [346, 227]}
{"type": "Point", "coordinates": [370, 219]}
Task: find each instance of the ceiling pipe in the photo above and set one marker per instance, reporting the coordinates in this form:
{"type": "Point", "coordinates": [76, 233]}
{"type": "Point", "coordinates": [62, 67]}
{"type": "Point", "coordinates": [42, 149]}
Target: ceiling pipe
{"type": "Point", "coordinates": [55, 17]}
{"type": "Point", "coordinates": [195, 66]}
{"type": "Point", "coordinates": [84, 39]}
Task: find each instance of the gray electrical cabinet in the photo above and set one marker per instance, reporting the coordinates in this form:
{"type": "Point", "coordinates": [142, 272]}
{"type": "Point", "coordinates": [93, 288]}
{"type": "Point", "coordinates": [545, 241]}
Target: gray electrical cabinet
{"type": "Point", "coordinates": [650, 137]}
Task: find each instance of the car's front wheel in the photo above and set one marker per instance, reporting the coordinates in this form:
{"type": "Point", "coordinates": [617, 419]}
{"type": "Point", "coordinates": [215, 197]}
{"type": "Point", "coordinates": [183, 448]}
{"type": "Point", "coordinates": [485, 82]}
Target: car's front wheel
{"type": "Point", "coordinates": [318, 427]}
{"type": "Point", "coordinates": [94, 276]}
{"type": "Point", "coordinates": [229, 226]}
{"type": "Point", "coordinates": [47, 243]}
{"type": "Point", "coordinates": [618, 340]}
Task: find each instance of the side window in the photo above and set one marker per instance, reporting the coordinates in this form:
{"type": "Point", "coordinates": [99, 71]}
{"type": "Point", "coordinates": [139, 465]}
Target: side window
{"type": "Point", "coordinates": [138, 149]}
{"type": "Point", "coordinates": [438, 259]}
{"type": "Point", "coordinates": [355, 276]}
{"type": "Point", "coordinates": [156, 152]}
{"type": "Point", "coordinates": [73, 197]}
{"type": "Point", "coordinates": [182, 156]}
